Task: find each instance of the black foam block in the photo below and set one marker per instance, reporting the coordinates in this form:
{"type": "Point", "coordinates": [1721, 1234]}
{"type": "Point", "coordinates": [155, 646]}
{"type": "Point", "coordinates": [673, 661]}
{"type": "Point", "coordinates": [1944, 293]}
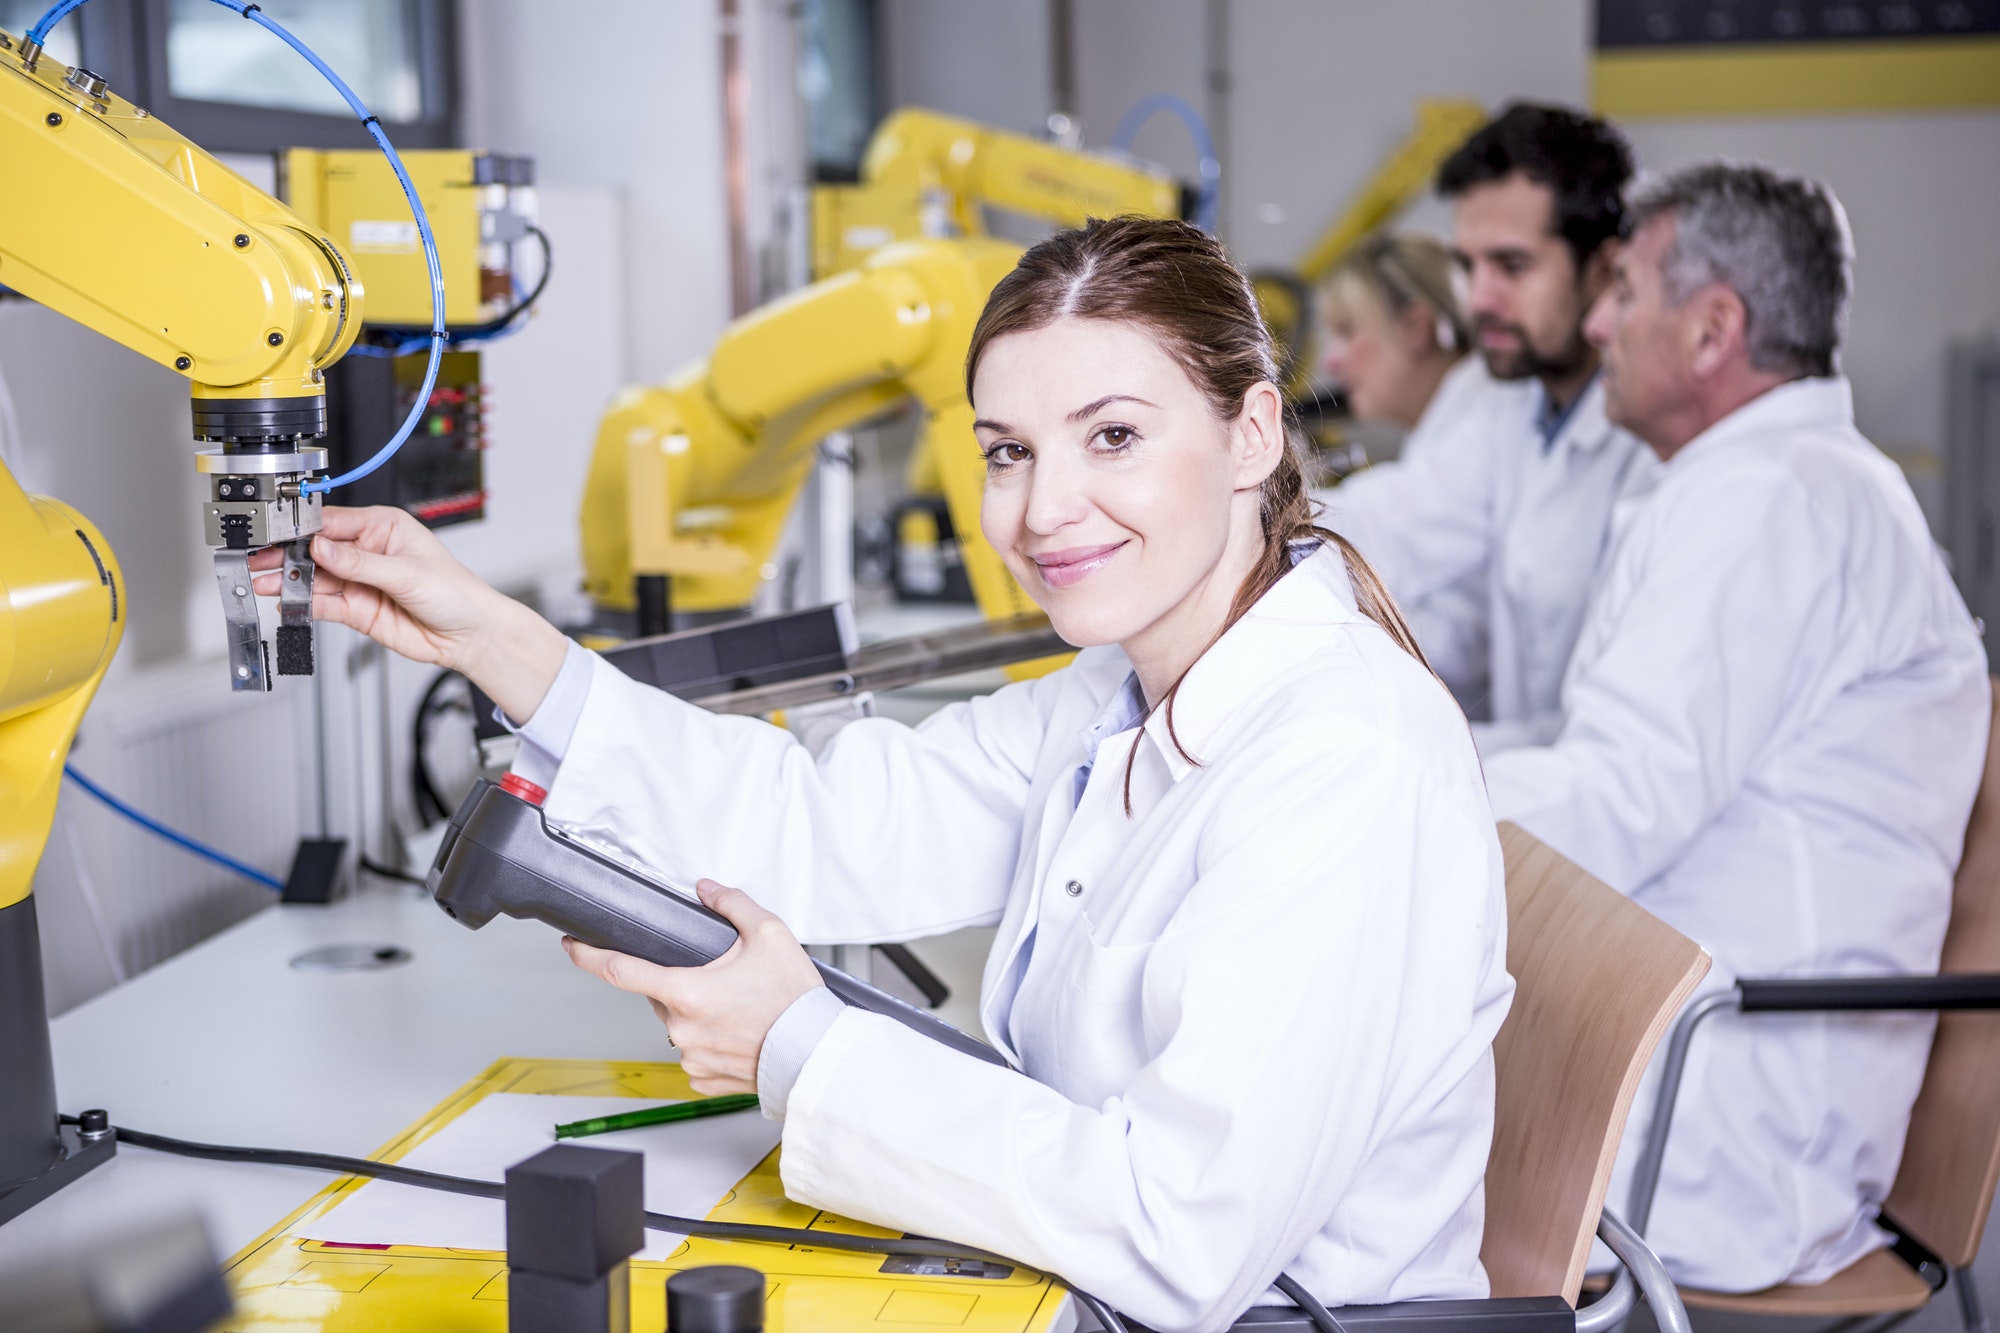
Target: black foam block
{"type": "Point", "coordinates": [575, 1212]}
{"type": "Point", "coordinates": [546, 1303]}
{"type": "Point", "coordinates": [295, 650]}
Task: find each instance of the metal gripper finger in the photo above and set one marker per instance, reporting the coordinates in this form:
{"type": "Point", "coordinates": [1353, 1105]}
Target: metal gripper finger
{"type": "Point", "coordinates": [249, 664]}
{"type": "Point", "coordinates": [295, 599]}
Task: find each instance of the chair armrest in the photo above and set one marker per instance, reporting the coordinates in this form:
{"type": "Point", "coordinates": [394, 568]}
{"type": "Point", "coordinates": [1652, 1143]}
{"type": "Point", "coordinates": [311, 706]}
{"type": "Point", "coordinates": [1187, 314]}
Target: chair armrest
{"type": "Point", "coordinates": [1791, 995]}
{"type": "Point", "coordinates": [1966, 990]}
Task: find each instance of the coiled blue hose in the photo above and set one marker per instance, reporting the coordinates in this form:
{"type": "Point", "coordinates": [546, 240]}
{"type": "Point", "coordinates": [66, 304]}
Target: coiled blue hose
{"type": "Point", "coordinates": [1149, 106]}
{"type": "Point", "coordinates": [152, 825]}
{"type": "Point", "coordinates": [58, 12]}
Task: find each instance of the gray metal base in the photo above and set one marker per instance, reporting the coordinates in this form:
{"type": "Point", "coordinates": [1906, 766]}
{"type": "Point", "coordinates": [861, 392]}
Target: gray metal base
{"type": "Point", "coordinates": [37, 1157]}
{"type": "Point", "coordinates": [76, 1158]}
{"type": "Point", "coordinates": [28, 1144]}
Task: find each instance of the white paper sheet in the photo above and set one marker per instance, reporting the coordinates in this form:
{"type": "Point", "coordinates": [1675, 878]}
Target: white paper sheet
{"type": "Point", "coordinates": [689, 1167]}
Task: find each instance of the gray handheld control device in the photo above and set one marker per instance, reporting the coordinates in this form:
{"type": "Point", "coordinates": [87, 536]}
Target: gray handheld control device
{"type": "Point", "coordinates": [501, 857]}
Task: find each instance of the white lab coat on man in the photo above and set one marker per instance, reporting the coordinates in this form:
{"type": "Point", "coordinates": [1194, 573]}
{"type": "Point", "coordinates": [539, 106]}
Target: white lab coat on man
{"type": "Point", "coordinates": [1485, 496]}
{"type": "Point", "coordinates": [1254, 1017]}
{"type": "Point", "coordinates": [1449, 622]}
{"type": "Point", "coordinates": [1773, 728]}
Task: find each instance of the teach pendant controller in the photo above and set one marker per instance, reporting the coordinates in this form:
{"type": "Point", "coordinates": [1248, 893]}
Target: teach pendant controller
{"type": "Point", "coordinates": [501, 857]}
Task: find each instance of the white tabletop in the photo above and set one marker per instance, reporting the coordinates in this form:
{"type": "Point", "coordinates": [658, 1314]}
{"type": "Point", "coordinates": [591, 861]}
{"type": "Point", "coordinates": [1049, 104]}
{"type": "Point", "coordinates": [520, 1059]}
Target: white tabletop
{"type": "Point", "coordinates": [228, 1043]}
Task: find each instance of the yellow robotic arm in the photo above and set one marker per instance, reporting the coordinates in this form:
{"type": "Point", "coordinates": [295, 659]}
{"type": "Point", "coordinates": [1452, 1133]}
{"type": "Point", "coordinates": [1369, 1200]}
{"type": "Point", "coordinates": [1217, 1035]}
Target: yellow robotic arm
{"type": "Point", "coordinates": [692, 480]}
{"type": "Point", "coordinates": [927, 174]}
{"type": "Point", "coordinates": [120, 223]}
{"type": "Point", "coordinates": [115, 220]}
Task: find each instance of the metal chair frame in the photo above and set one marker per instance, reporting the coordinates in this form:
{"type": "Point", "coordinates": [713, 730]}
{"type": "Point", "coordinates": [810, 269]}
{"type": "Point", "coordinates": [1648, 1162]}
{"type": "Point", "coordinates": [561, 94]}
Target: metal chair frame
{"type": "Point", "coordinates": [1957, 991]}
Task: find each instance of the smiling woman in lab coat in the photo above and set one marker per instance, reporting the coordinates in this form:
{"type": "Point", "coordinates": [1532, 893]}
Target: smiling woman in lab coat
{"type": "Point", "coordinates": [1251, 951]}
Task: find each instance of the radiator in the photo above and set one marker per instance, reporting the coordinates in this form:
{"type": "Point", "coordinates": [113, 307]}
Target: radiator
{"type": "Point", "coordinates": [235, 771]}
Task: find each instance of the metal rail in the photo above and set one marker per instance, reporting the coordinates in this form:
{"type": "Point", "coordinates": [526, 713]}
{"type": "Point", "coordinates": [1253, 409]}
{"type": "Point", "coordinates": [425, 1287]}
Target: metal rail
{"type": "Point", "coordinates": [907, 661]}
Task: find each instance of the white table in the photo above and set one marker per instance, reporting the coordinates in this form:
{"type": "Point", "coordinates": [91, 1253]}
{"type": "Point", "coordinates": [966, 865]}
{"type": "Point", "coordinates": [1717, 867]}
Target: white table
{"type": "Point", "coordinates": [228, 1043]}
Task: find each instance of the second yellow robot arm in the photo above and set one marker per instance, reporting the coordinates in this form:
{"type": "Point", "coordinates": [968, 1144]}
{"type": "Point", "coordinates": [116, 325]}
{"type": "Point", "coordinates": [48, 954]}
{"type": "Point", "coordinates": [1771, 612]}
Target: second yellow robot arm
{"type": "Point", "coordinates": [980, 164]}
{"type": "Point", "coordinates": [921, 162]}
{"type": "Point", "coordinates": [694, 479]}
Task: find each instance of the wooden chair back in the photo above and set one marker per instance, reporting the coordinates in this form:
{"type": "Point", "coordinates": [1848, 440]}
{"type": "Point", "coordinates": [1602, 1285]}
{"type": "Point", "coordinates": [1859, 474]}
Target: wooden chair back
{"type": "Point", "coordinates": [1597, 981]}
{"type": "Point", "coordinates": [1951, 1159]}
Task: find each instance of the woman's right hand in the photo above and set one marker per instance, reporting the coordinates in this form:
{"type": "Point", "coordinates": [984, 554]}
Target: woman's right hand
{"type": "Point", "coordinates": [386, 575]}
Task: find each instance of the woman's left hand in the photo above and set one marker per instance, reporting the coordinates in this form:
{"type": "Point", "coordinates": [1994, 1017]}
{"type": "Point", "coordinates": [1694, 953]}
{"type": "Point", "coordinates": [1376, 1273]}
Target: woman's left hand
{"type": "Point", "coordinates": [717, 1014]}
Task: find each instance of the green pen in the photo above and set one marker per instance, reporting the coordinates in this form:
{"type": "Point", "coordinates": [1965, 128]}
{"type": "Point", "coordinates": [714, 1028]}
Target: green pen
{"type": "Point", "coordinates": [658, 1115]}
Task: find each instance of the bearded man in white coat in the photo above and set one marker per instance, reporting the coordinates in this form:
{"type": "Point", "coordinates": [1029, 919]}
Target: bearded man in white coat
{"type": "Point", "coordinates": [1492, 528]}
{"type": "Point", "coordinates": [1773, 723]}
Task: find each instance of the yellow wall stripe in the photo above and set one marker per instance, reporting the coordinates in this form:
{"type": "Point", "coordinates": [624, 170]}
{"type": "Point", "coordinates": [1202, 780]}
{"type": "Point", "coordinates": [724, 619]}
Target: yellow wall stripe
{"type": "Point", "coordinates": [1832, 76]}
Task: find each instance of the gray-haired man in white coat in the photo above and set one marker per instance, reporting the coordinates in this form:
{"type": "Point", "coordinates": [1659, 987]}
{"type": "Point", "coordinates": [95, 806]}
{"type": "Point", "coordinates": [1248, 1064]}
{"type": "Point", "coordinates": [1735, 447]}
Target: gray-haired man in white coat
{"type": "Point", "coordinates": [1773, 723]}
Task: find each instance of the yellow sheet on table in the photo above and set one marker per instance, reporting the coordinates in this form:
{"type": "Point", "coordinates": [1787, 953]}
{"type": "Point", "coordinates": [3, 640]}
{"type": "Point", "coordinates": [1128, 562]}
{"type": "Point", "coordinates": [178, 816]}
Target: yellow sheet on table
{"type": "Point", "coordinates": [284, 1282]}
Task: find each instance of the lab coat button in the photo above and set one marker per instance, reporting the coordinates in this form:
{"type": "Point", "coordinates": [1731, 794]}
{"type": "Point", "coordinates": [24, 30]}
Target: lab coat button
{"type": "Point", "coordinates": [1074, 888]}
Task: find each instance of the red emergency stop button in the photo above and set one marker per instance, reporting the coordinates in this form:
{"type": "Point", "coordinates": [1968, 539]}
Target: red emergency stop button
{"type": "Point", "coordinates": [519, 786]}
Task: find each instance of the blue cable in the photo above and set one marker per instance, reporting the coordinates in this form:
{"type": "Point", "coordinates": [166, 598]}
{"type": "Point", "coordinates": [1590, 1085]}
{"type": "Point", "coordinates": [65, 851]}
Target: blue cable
{"type": "Point", "coordinates": [438, 336]}
{"type": "Point", "coordinates": [57, 13]}
{"type": "Point", "coordinates": [1144, 110]}
{"type": "Point", "coordinates": [461, 339]}
{"type": "Point", "coordinates": [178, 839]}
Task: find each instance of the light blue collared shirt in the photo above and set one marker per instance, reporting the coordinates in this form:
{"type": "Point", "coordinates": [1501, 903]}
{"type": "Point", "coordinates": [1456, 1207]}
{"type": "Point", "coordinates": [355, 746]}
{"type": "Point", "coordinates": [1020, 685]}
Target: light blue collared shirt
{"type": "Point", "coordinates": [1550, 419]}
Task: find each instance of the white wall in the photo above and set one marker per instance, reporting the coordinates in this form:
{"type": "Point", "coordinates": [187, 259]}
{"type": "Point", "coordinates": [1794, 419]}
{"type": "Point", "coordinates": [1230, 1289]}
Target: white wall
{"type": "Point", "coordinates": [1323, 90]}
{"type": "Point", "coordinates": [627, 100]}
{"type": "Point", "coordinates": [986, 59]}
{"type": "Point", "coordinates": [1124, 50]}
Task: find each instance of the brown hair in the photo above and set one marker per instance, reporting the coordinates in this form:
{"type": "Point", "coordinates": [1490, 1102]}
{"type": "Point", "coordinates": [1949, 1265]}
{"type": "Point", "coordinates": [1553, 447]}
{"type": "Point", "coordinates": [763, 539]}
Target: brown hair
{"type": "Point", "coordinates": [1177, 282]}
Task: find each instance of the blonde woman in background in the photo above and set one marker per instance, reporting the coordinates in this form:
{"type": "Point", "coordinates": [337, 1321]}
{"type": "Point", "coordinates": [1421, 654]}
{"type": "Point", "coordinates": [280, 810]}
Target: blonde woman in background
{"type": "Point", "coordinates": [1393, 328]}
{"type": "Point", "coordinates": [1396, 342]}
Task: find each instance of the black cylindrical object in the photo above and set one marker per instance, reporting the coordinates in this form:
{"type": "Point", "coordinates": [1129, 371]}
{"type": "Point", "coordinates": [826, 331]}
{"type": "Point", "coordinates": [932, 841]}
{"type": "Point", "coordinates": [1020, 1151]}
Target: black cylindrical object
{"type": "Point", "coordinates": [29, 1143]}
{"type": "Point", "coordinates": [720, 1298]}
{"type": "Point", "coordinates": [259, 421]}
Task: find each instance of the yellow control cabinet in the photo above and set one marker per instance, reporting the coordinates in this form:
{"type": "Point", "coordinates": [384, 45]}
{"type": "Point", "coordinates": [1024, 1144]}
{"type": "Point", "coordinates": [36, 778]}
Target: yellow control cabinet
{"type": "Point", "coordinates": [478, 204]}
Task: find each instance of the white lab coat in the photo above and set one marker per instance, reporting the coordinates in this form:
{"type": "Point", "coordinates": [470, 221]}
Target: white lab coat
{"type": "Point", "coordinates": [1255, 1032]}
{"type": "Point", "coordinates": [1482, 496]}
{"type": "Point", "coordinates": [1449, 622]}
{"type": "Point", "coordinates": [1773, 728]}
